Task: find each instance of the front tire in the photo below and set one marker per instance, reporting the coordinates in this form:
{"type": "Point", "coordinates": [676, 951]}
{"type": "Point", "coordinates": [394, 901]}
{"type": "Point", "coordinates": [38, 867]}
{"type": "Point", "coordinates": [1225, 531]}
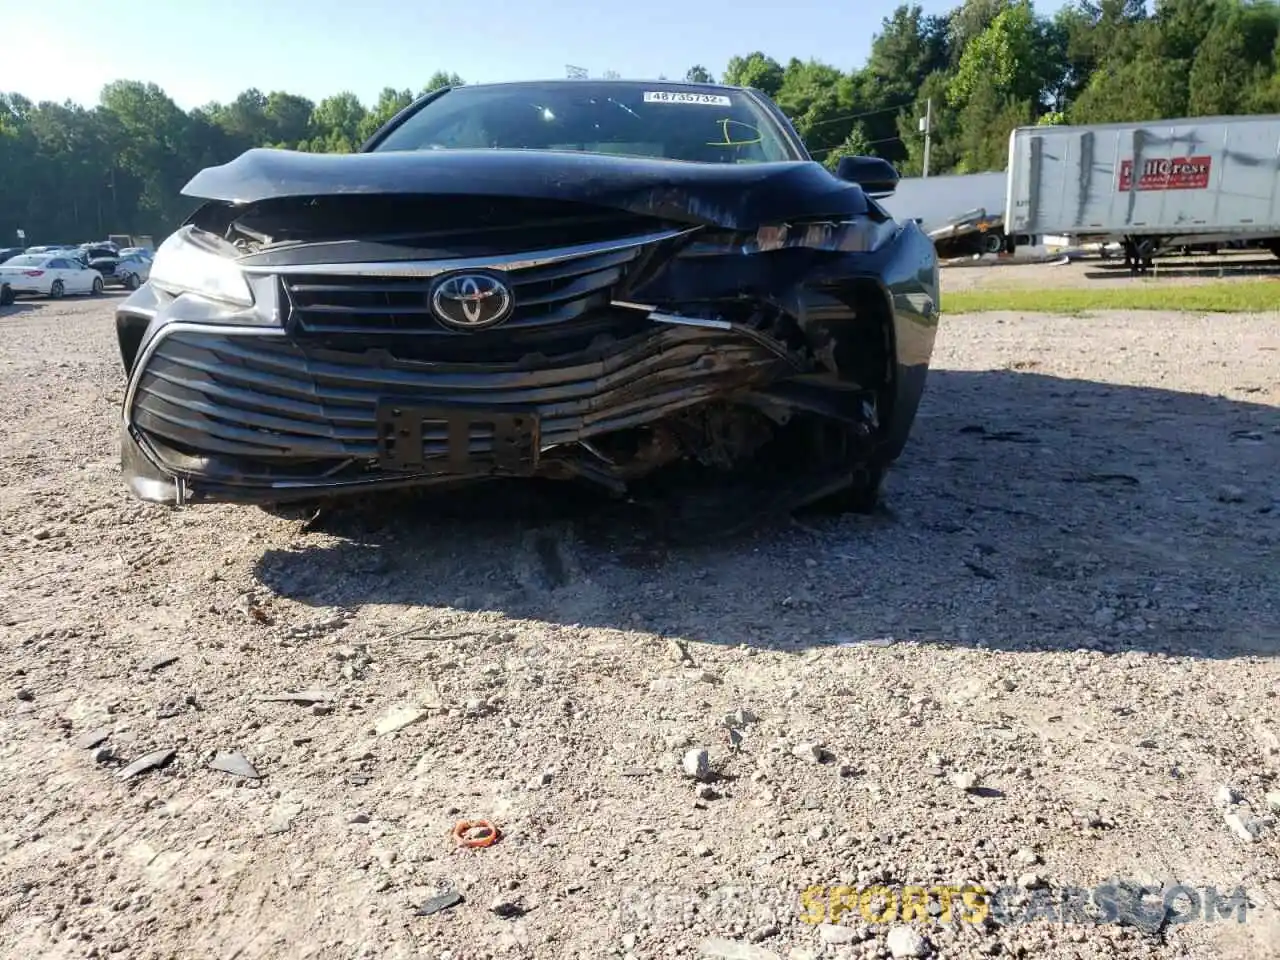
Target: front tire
{"type": "Point", "coordinates": [862, 496]}
{"type": "Point", "coordinates": [97, 286]}
{"type": "Point", "coordinates": [132, 282]}
{"type": "Point", "coordinates": [56, 290]}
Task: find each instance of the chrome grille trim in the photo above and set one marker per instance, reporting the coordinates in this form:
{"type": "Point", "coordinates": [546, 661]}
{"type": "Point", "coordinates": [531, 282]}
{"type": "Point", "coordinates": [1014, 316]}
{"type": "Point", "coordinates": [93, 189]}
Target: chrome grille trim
{"type": "Point", "coordinates": [547, 292]}
{"type": "Point", "coordinates": [433, 268]}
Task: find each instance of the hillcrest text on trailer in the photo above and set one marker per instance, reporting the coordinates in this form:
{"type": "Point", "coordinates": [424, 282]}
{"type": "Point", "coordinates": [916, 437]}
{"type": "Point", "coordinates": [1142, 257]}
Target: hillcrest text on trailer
{"type": "Point", "coordinates": [1150, 186]}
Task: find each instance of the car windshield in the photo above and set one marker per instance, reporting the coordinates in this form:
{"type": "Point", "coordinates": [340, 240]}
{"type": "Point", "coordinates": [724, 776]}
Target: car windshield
{"type": "Point", "coordinates": [700, 124]}
{"type": "Point", "coordinates": [27, 260]}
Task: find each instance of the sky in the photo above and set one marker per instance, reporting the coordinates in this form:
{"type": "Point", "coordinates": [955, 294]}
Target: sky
{"type": "Point", "coordinates": [204, 50]}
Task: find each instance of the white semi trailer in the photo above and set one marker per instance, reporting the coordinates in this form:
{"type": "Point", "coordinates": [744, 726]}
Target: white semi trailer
{"type": "Point", "coordinates": [1150, 186]}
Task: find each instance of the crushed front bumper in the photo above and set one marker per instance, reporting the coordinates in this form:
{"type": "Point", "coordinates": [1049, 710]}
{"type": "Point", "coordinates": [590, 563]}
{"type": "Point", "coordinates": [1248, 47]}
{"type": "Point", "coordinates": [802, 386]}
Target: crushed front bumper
{"type": "Point", "coordinates": [225, 413]}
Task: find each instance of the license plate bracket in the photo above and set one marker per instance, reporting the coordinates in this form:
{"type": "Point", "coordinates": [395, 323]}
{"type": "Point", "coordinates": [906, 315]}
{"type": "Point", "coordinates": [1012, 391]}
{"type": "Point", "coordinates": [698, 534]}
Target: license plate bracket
{"type": "Point", "coordinates": [457, 438]}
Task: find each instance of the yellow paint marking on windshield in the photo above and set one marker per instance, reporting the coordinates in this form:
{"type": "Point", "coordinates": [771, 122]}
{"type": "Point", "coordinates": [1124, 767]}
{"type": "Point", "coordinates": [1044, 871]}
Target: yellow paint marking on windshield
{"type": "Point", "coordinates": [728, 140]}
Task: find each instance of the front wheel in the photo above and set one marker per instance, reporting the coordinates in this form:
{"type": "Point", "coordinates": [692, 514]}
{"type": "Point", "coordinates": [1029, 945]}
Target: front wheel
{"type": "Point", "coordinates": [56, 290]}
{"type": "Point", "coordinates": [132, 282]}
{"type": "Point", "coordinates": [862, 495]}
{"type": "Point", "coordinates": [97, 286]}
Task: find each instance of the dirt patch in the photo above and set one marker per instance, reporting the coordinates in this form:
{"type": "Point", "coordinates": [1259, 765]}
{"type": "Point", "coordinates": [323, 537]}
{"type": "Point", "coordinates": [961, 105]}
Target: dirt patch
{"type": "Point", "coordinates": [1037, 668]}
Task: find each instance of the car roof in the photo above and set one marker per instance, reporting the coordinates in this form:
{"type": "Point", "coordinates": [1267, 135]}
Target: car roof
{"type": "Point", "coordinates": [592, 81]}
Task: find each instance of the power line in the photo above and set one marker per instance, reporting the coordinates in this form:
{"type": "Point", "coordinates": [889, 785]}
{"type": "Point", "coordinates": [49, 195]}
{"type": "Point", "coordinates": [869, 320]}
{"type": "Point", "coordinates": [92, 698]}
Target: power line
{"type": "Point", "coordinates": [859, 116]}
{"type": "Point", "coordinates": [870, 143]}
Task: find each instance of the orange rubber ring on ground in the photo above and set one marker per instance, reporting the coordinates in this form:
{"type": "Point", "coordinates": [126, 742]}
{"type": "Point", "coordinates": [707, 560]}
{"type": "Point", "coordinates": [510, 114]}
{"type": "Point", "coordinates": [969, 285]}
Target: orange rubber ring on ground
{"type": "Point", "coordinates": [487, 839]}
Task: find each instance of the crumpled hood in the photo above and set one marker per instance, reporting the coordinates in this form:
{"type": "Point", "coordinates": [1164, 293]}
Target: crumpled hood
{"type": "Point", "coordinates": [732, 196]}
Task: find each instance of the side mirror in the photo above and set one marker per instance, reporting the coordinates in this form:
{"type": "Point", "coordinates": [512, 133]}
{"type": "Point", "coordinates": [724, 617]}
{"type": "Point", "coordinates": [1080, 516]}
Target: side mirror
{"type": "Point", "coordinates": [874, 175]}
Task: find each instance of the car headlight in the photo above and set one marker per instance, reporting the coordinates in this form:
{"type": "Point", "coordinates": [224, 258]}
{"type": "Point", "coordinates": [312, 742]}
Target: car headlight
{"type": "Point", "coordinates": [188, 263]}
{"type": "Point", "coordinates": [860, 235]}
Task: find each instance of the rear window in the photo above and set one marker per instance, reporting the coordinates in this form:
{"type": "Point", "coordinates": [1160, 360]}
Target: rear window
{"type": "Point", "coordinates": [707, 125]}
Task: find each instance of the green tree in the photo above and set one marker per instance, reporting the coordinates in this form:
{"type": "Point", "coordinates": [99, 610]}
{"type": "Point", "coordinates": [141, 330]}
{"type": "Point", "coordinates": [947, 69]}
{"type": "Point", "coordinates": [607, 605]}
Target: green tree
{"type": "Point", "coordinates": [338, 121]}
{"type": "Point", "coordinates": [441, 78]}
{"type": "Point", "coordinates": [755, 70]}
{"type": "Point", "coordinates": [390, 102]}
{"type": "Point", "coordinates": [1233, 61]}
{"type": "Point", "coordinates": [855, 144]}
{"type": "Point", "coordinates": [699, 74]}
{"type": "Point", "coordinates": [818, 99]}
{"type": "Point", "coordinates": [1008, 58]}
{"type": "Point", "coordinates": [290, 117]}
{"type": "Point", "coordinates": [984, 127]}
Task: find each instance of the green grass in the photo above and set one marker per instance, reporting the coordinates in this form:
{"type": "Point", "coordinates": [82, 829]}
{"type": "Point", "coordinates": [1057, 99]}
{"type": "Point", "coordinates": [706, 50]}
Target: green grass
{"type": "Point", "coordinates": [1240, 296]}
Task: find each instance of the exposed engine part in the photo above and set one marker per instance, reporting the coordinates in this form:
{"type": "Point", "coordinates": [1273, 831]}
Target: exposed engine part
{"type": "Point", "coordinates": [722, 436]}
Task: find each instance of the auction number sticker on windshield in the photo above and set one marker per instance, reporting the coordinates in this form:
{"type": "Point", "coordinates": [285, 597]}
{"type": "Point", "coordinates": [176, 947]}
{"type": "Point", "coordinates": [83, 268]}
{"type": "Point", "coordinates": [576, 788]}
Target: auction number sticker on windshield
{"type": "Point", "coordinates": [679, 96]}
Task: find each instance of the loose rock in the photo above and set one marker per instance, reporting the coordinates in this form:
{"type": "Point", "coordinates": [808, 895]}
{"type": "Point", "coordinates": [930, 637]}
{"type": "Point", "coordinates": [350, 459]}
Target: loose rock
{"type": "Point", "coordinates": [809, 752]}
{"type": "Point", "coordinates": [92, 738]}
{"type": "Point", "coordinates": [151, 761]}
{"type": "Point", "coordinates": [1246, 830]}
{"type": "Point", "coordinates": [300, 696]}
{"type": "Point", "coordinates": [508, 907]}
{"type": "Point", "coordinates": [1031, 881]}
{"type": "Point", "coordinates": [722, 949]}
{"type": "Point", "coordinates": [1228, 493]}
{"type": "Point", "coordinates": [905, 942]}
{"type": "Point", "coordinates": [282, 817]}
{"type": "Point", "coordinates": [441, 901]}
{"type": "Point", "coordinates": [697, 764]}
{"type": "Point", "coordinates": [397, 718]}
{"type": "Point", "coordinates": [234, 764]}
{"type": "Point", "coordinates": [1226, 796]}
{"type": "Point", "coordinates": [836, 934]}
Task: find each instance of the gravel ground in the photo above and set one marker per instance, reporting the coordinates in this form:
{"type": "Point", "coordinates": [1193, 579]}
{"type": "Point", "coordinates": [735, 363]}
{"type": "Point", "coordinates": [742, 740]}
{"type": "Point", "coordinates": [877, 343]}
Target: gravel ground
{"type": "Point", "coordinates": [1049, 663]}
{"type": "Point", "coordinates": [1093, 271]}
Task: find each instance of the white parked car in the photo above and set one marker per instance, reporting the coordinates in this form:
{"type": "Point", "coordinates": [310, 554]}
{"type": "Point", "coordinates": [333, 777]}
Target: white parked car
{"type": "Point", "coordinates": [48, 275]}
{"type": "Point", "coordinates": [132, 271]}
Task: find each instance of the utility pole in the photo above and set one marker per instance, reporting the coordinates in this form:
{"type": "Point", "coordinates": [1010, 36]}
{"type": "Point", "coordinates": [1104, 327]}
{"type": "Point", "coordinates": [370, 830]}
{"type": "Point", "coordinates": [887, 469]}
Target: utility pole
{"type": "Point", "coordinates": [926, 127]}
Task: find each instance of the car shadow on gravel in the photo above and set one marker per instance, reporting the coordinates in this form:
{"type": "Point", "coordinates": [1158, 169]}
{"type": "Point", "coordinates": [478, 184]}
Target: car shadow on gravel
{"type": "Point", "coordinates": [17, 308]}
{"type": "Point", "coordinates": [1029, 513]}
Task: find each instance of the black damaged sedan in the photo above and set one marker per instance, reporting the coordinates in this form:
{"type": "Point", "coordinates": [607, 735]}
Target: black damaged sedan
{"type": "Point", "coordinates": [603, 281]}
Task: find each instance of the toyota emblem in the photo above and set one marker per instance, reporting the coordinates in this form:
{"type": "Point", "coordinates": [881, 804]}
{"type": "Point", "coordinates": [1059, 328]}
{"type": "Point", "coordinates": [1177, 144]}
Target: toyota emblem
{"type": "Point", "coordinates": [471, 301]}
